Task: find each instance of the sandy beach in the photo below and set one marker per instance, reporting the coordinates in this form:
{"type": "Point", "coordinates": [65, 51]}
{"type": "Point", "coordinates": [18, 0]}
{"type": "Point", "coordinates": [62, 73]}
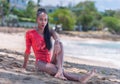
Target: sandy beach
{"type": "Point", "coordinates": [12, 48]}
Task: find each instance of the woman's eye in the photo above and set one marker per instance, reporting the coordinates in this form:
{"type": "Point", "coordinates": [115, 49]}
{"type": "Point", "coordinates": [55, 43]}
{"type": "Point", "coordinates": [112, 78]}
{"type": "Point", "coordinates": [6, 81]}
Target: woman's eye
{"type": "Point", "coordinates": [41, 19]}
{"type": "Point", "coordinates": [45, 19]}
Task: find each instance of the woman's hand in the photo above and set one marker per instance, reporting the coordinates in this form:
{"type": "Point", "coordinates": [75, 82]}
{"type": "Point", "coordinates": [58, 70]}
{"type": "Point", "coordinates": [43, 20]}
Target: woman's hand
{"type": "Point", "coordinates": [26, 57]}
{"type": "Point", "coordinates": [57, 47]}
{"type": "Point", "coordinates": [24, 66]}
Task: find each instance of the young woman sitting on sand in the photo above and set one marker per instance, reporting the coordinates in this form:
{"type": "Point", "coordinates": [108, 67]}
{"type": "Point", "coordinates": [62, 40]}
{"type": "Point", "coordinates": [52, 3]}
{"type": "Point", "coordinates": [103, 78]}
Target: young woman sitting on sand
{"type": "Point", "coordinates": [40, 40]}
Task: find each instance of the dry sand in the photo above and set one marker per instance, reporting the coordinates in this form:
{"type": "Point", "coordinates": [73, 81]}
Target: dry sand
{"type": "Point", "coordinates": [12, 47]}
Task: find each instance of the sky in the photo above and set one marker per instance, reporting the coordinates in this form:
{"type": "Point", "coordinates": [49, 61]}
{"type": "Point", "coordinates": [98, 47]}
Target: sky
{"type": "Point", "coordinates": [101, 5]}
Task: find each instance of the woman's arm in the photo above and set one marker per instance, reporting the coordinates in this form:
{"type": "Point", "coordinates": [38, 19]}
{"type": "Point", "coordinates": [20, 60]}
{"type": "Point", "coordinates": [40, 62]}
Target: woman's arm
{"type": "Point", "coordinates": [57, 47]}
{"type": "Point", "coordinates": [26, 57]}
{"type": "Point", "coordinates": [55, 35]}
{"type": "Point", "coordinates": [28, 48]}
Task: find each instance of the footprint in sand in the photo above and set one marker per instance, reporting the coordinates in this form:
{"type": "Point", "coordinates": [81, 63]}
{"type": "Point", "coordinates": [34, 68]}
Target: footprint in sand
{"type": "Point", "coordinates": [1, 60]}
{"type": "Point", "coordinates": [27, 78]}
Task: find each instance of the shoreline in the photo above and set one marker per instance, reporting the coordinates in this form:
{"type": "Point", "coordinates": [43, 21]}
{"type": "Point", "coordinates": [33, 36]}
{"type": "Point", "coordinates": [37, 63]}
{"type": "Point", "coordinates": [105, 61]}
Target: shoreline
{"type": "Point", "coordinates": [91, 62]}
{"type": "Point", "coordinates": [96, 60]}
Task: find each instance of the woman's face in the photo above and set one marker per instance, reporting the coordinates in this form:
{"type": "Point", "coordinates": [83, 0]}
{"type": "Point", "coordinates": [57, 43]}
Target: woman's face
{"type": "Point", "coordinates": [42, 20]}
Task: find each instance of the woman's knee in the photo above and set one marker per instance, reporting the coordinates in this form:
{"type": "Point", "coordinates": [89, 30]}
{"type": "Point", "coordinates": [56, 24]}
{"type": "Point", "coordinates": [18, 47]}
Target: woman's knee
{"type": "Point", "coordinates": [61, 45]}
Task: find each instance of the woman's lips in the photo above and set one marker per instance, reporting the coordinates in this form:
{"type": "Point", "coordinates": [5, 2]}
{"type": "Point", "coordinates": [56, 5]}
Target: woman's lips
{"type": "Point", "coordinates": [42, 25]}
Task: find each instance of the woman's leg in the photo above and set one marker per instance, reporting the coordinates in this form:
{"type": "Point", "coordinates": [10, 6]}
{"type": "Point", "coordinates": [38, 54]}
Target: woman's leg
{"type": "Point", "coordinates": [52, 70]}
{"type": "Point", "coordinates": [77, 77]}
{"type": "Point", "coordinates": [58, 61]}
{"type": "Point", "coordinates": [55, 68]}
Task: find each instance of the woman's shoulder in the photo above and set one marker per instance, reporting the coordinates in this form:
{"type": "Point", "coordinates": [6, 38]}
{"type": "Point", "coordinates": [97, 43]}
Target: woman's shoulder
{"type": "Point", "coordinates": [30, 31]}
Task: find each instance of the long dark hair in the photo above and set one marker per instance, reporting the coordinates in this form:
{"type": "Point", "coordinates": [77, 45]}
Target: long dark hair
{"type": "Point", "coordinates": [47, 34]}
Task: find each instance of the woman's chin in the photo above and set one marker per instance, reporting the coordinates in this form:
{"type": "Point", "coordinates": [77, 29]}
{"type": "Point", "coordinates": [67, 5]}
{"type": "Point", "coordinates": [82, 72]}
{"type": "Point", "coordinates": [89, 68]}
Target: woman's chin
{"type": "Point", "coordinates": [41, 27]}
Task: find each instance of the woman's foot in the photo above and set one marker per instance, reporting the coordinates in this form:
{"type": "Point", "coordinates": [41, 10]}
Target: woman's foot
{"type": "Point", "coordinates": [60, 75]}
{"type": "Point", "coordinates": [85, 78]}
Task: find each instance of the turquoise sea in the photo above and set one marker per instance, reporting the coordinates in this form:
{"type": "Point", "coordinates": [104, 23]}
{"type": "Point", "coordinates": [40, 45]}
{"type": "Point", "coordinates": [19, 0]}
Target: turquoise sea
{"type": "Point", "coordinates": [106, 51]}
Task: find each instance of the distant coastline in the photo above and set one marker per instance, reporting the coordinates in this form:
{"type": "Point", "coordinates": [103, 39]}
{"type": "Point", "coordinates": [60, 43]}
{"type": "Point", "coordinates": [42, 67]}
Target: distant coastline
{"type": "Point", "coordinates": [90, 34]}
{"type": "Point", "coordinates": [93, 34]}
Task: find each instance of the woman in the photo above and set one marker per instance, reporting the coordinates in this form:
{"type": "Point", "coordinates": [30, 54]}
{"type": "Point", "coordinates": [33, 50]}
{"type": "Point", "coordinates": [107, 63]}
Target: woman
{"type": "Point", "coordinates": [40, 40]}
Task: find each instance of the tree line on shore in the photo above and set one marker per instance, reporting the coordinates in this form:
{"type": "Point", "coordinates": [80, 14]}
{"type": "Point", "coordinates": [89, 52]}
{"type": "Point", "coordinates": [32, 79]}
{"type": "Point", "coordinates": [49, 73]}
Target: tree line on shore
{"type": "Point", "coordinates": [85, 15]}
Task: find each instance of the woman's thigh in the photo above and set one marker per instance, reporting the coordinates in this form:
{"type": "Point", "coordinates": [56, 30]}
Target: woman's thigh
{"type": "Point", "coordinates": [47, 67]}
{"type": "Point", "coordinates": [41, 66]}
{"type": "Point", "coordinates": [53, 59]}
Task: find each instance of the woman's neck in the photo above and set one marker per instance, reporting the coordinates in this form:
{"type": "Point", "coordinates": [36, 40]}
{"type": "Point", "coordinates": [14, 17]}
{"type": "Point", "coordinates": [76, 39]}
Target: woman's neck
{"type": "Point", "coordinates": [39, 30]}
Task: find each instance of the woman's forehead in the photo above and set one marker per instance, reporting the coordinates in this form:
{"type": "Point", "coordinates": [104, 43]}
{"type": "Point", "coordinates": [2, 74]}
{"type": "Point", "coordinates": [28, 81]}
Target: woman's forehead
{"type": "Point", "coordinates": [43, 15]}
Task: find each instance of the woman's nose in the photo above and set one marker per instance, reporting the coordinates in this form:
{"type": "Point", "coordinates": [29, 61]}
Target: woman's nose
{"type": "Point", "coordinates": [43, 22]}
